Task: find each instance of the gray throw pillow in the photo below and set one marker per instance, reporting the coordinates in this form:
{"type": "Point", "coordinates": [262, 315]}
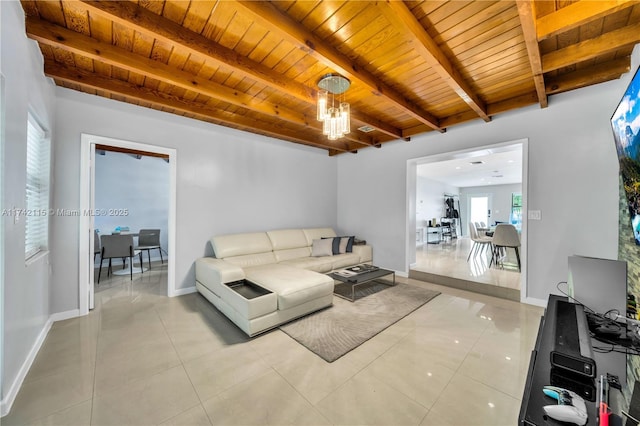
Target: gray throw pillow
{"type": "Point", "coordinates": [323, 247]}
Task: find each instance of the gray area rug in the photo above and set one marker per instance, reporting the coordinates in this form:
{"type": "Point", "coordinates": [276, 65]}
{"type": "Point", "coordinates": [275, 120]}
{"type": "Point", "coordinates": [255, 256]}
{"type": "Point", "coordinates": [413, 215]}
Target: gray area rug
{"type": "Point", "coordinates": [336, 330]}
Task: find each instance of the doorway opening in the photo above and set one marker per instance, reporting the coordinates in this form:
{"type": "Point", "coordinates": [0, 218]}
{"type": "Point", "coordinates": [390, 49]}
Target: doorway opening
{"type": "Point", "coordinates": [3, 406]}
{"type": "Point", "coordinates": [88, 205]}
{"type": "Point", "coordinates": [486, 180]}
{"type": "Point", "coordinates": [479, 209]}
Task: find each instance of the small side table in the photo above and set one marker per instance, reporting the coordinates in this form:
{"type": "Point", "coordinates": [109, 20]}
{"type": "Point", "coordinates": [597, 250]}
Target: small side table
{"type": "Point", "coordinates": [434, 230]}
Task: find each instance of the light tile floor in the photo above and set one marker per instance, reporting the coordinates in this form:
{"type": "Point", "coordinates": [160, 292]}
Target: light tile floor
{"type": "Point", "coordinates": [141, 358]}
{"type": "Point", "coordinates": [449, 258]}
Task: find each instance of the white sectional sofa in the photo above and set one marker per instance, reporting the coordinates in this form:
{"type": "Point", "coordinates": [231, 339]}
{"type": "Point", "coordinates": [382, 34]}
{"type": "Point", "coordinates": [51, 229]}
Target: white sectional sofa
{"type": "Point", "coordinates": [263, 279]}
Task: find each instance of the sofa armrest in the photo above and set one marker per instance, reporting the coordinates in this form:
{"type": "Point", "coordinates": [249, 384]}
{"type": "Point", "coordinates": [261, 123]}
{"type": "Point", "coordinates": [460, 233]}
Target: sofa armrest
{"type": "Point", "coordinates": [364, 251]}
{"type": "Point", "coordinates": [217, 270]}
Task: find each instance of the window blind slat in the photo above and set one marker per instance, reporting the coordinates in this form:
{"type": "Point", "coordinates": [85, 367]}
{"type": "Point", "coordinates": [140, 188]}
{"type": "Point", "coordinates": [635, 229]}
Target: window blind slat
{"type": "Point", "coordinates": [37, 189]}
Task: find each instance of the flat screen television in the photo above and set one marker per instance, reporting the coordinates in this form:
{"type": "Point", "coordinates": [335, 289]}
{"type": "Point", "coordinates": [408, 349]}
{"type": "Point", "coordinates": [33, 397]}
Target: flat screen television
{"type": "Point", "coordinates": [626, 133]}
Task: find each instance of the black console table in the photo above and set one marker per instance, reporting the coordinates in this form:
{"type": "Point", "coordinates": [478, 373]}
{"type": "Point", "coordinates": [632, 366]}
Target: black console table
{"type": "Point", "coordinates": [541, 374]}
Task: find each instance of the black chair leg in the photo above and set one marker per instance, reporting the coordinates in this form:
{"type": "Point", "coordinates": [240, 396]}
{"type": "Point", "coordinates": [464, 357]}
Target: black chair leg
{"type": "Point", "coordinates": [131, 267]}
{"type": "Point", "coordinates": [518, 257]}
{"type": "Point", "coordinates": [161, 259]}
{"type": "Point", "coordinates": [493, 256]}
{"type": "Point", "coordinates": [148, 257]}
{"type": "Point", "coordinates": [141, 265]}
{"type": "Point", "coordinates": [100, 270]}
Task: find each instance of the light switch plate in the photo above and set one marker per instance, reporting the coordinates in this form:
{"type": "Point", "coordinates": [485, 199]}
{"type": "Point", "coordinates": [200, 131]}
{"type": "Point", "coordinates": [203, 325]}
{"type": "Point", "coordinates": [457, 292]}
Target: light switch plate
{"type": "Point", "coordinates": [534, 215]}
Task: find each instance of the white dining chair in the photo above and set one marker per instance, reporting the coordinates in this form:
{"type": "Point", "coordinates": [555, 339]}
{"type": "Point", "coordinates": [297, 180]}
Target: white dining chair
{"type": "Point", "coordinates": [506, 236]}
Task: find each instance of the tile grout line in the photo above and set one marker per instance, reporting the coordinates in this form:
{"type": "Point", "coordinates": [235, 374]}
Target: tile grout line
{"type": "Point", "coordinates": [164, 327]}
{"type": "Point", "coordinates": [95, 361]}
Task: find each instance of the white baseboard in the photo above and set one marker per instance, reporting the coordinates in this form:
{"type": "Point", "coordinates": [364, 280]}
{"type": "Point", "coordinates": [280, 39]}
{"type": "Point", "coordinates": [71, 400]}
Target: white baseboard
{"type": "Point", "coordinates": [61, 316]}
{"type": "Point", "coordinates": [7, 401]}
{"type": "Point", "coordinates": [402, 274]}
{"type": "Point", "coordinates": [183, 291]}
{"type": "Point", "coordinates": [536, 302]}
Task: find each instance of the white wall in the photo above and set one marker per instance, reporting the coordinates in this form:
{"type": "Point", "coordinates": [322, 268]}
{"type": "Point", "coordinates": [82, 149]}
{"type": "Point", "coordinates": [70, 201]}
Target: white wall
{"type": "Point", "coordinates": [227, 181]}
{"type": "Point", "coordinates": [430, 199]}
{"type": "Point", "coordinates": [26, 294]}
{"type": "Point", "coordinates": [572, 180]}
{"type": "Point", "coordinates": [133, 192]}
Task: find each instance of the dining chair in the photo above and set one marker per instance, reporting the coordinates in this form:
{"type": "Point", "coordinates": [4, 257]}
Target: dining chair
{"type": "Point", "coordinates": [480, 243]}
{"type": "Point", "coordinates": [149, 239]}
{"type": "Point", "coordinates": [481, 227]}
{"type": "Point", "coordinates": [118, 246]}
{"type": "Point", "coordinates": [506, 236]}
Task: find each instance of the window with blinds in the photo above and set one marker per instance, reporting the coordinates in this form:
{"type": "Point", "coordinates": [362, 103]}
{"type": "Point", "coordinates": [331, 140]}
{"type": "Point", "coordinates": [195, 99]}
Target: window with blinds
{"type": "Point", "coordinates": [37, 208]}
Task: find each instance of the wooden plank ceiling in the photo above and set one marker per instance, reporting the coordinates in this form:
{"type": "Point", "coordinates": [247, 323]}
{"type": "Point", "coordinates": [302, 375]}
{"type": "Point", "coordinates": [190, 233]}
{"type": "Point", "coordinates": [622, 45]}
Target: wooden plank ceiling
{"type": "Point", "coordinates": [414, 66]}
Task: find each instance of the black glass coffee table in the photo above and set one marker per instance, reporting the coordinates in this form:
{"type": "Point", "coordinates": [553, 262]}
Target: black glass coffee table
{"type": "Point", "coordinates": [348, 283]}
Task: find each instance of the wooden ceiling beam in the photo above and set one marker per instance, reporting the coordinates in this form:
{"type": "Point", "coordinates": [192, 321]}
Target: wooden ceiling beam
{"type": "Point", "coordinates": [516, 102]}
{"type": "Point", "coordinates": [526, 13]}
{"type": "Point", "coordinates": [599, 73]}
{"type": "Point", "coordinates": [201, 111]}
{"type": "Point", "coordinates": [131, 15]}
{"type": "Point", "coordinates": [299, 36]}
{"type": "Point", "coordinates": [56, 36]}
{"type": "Point", "coordinates": [405, 21]}
{"type": "Point", "coordinates": [377, 124]}
{"type": "Point", "coordinates": [577, 14]}
{"type": "Point", "coordinates": [158, 27]}
{"type": "Point", "coordinates": [496, 108]}
{"type": "Point", "coordinates": [589, 49]}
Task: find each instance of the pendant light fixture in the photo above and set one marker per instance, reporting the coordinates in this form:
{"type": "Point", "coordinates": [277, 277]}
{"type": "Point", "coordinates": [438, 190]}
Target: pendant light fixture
{"type": "Point", "coordinates": [336, 119]}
